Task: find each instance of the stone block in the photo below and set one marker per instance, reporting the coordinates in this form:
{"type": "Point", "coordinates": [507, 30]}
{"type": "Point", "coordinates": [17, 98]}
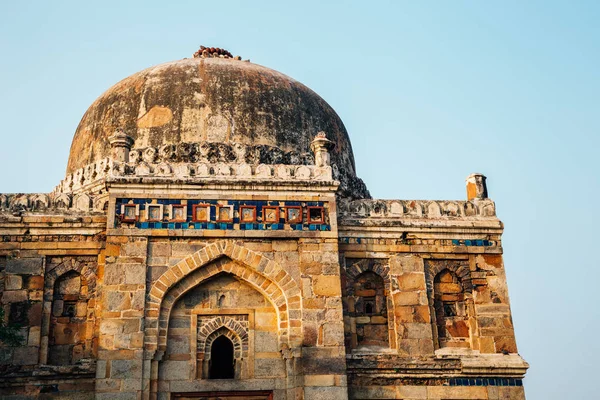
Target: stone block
{"type": "Point", "coordinates": [506, 393]}
{"type": "Point", "coordinates": [25, 355]}
{"type": "Point", "coordinates": [13, 282]}
{"type": "Point", "coordinates": [333, 334]}
{"type": "Point", "coordinates": [14, 296]}
{"type": "Point", "coordinates": [285, 245]}
{"type": "Point", "coordinates": [319, 380]}
{"type": "Point", "coordinates": [418, 331]}
{"type": "Point", "coordinates": [406, 298]}
{"type": "Point", "coordinates": [505, 343]}
{"type": "Point", "coordinates": [135, 274]}
{"type": "Point", "coordinates": [415, 347]}
{"type": "Point", "coordinates": [325, 393]}
{"type": "Point", "coordinates": [134, 249]}
{"type": "Point", "coordinates": [175, 370]}
{"type": "Point", "coordinates": [25, 266]}
{"type": "Point", "coordinates": [33, 339]}
{"type": "Point", "coordinates": [327, 285]}
{"type": "Point", "coordinates": [322, 364]}
{"type": "Point", "coordinates": [486, 345]}
{"type": "Point", "coordinates": [372, 392]}
{"type": "Point", "coordinates": [114, 274]}
{"type": "Point", "coordinates": [413, 314]}
{"type": "Point", "coordinates": [269, 367]}
{"type": "Point", "coordinates": [35, 282]}
{"type": "Point", "coordinates": [265, 341]}
{"type": "Point", "coordinates": [125, 369]}
{"type": "Point", "coordinates": [6, 354]}
{"type": "Point", "coordinates": [159, 249]}
{"type": "Point", "coordinates": [457, 392]}
{"type": "Point", "coordinates": [412, 392]}
{"type": "Point", "coordinates": [411, 281]}
{"type": "Point", "coordinates": [406, 263]}
{"type": "Point", "coordinates": [117, 301]}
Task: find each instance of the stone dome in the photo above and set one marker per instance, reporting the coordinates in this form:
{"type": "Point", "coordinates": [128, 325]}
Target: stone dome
{"type": "Point", "coordinates": [223, 101]}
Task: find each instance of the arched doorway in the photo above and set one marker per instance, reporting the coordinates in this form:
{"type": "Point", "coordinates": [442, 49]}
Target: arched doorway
{"type": "Point", "coordinates": [221, 359]}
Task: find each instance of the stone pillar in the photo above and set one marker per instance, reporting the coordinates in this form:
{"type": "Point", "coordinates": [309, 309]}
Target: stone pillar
{"type": "Point", "coordinates": [121, 341]}
{"type": "Point", "coordinates": [476, 187]}
{"type": "Point", "coordinates": [320, 147]}
{"type": "Point", "coordinates": [323, 351]}
{"type": "Point", "coordinates": [120, 144]}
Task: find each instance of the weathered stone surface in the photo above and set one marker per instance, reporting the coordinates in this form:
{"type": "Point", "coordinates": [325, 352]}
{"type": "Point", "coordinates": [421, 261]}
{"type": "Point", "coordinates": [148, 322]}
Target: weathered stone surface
{"type": "Point", "coordinates": [179, 251]}
{"type": "Point", "coordinates": [25, 266]}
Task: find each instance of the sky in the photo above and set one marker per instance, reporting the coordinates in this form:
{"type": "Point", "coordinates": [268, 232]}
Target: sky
{"type": "Point", "coordinates": [429, 92]}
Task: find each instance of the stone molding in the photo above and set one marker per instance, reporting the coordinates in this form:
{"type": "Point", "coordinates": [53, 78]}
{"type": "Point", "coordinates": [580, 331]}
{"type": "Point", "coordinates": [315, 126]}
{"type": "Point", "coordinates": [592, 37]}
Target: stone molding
{"type": "Point", "coordinates": [219, 152]}
{"type": "Point", "coordinates": [18, 203]}
{"type": "Point", "coordinates": [427, 209]}
{"type": "Point", "coordinates": [92, 178]}
{"type": "Point", "coordinates": [393, 367]}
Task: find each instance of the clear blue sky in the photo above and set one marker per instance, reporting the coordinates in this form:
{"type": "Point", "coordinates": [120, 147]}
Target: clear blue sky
{"type": "Point", "coordinates": [429, 92]}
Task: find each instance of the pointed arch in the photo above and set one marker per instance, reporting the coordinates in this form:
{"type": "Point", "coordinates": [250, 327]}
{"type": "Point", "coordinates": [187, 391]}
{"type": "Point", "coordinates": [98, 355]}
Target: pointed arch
{"type": "Point", "coordinates": [461, 269]}
{"type": "Point", "coordinates": [359, 267]}
{"type": "Point", "coordinates": [263, 274]}
{"type": "Point", "coordinates": [239, 334]}
{"type": "Point", "coordinates": [238, 343]}
{"type": "Point", "coordinates": [85, 267]}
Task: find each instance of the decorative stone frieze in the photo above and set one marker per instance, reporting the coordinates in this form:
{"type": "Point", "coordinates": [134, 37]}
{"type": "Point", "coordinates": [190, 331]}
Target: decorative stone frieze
{"type": "Point", "coordinates": [53, 203]}
{"type": "Point", "coordinates": [397, 209]}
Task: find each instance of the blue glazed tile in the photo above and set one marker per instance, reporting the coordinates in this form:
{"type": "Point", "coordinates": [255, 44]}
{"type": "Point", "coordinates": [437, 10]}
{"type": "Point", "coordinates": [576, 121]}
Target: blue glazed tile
{"type": "Point", "coordinates": [243, 227]}
{"type": "Point", "coordinates": [467, 243]}
{"type": "Point", "coordinates": [229, 226]}
{"type": "Point", "coordinates": [312, 227]}
{"type": "Point", "coordinates": [171, 225]}
{"type": "Point", "coordinates": [198, 225]}
{"type": "Point", "coordinates": [222, 225]}
{"type": "Point", "coordinates": [479, 382]}
{"type": "Point", "coordinates": [479, 243]}
{"type": "Point", "coordinates": [144, 225]}
{"type": "Point", "coordinates": [455, 242]}
{"type": "Point", "coordinates": [211, 225]}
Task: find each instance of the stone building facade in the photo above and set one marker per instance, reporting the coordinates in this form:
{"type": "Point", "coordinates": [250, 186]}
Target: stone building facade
{"type": "Point", "coordinates": [211, 240]}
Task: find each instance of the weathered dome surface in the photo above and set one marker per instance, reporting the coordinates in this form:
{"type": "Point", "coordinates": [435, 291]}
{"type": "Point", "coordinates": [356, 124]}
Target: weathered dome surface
{"type": "Point", "coordinates": [214, 100]}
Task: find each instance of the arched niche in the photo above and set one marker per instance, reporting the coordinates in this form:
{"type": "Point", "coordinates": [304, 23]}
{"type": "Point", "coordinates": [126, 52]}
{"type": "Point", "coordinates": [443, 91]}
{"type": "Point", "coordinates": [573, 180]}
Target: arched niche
{"type": "Point", "coordinates": [68, 320]}
{"type": "Point", "coordinates": [222, 305]}
{"type": "Point", "coordinates": [451, 310]}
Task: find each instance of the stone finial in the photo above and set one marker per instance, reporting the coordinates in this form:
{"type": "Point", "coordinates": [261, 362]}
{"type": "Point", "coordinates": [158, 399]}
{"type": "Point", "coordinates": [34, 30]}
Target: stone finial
{"type": "Point", "coordinates": [120, 144]}
{"type": "Point", "coordinates": [476, 187]}
{"type": "Point", "coordinates": [321, 146]}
